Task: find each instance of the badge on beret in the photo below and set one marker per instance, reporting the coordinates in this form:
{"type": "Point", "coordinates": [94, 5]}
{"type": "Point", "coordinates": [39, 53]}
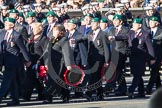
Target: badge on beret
{"type": "Point", "coordinates": [13, 11]}
{"type": "Point", "coordinates": [137, 20]}
{"type": "Point", "coordinates": [104, 20]}
{"type": "Point", "coordinates": [117, 16]}
{"type": "Point", "coordinates": [95, 20]}
{"type": "Point", "coordinates": [10, 20]}
{"type": "Point", "coordinates": [30, 14]}
{"type": "Point", "coordinates": [154, 18]}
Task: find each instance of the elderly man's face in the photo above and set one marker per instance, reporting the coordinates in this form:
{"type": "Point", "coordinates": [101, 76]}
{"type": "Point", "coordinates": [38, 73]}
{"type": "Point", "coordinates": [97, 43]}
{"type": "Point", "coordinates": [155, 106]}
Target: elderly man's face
{"type": "Point", "coordinates": [117, 22]}
{"type": "Point", "coordinates": [103, 26]}
{"type": "Point", "coordinates": [30, 20]}
{"type": "Point", "coordinates": [13, 15]}
{"type": "Point", "coordinates": [136, 26]}
{"type": "Point", "coordinates": [50, 19]}
{"type": "Point", "coordinates": [71, 26]}
{"type": "Point", "coordinates": [153, 24]}
{"type": "Point", "coordinates": [87, 20]}
{"type": "Point", "coordinates": [94, 25]}
{"type": "Point", "coordinates": [8, 25]}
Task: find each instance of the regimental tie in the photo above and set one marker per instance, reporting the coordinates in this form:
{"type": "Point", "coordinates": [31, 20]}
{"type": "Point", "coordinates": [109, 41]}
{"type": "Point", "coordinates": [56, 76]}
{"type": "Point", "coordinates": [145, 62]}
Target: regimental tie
{"type": "Point", "coordinates": [136, 34]}
{"type": "Point", "coordinates": [48, 29]}
{"type": "Point", "coordinates": [30, 30]}
{"type": "Point", "coordinates": [152, 36]}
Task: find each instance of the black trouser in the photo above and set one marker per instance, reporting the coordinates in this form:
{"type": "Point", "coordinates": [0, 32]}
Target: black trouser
{"type": "Point", "coordinates": [154, 76]}
{"type": "Point", "coordinates": [10, 84]}
{"type": "Point", "coordinates": [95, 78]}
{"type": "Point", "coordinates": [32, 82]}
{"type": "Point", "coordinates": [137, 82]}
{"type": "Point", "coordinates": [120, 71]}
{"type": "Point", "coordinates": [138, 66]}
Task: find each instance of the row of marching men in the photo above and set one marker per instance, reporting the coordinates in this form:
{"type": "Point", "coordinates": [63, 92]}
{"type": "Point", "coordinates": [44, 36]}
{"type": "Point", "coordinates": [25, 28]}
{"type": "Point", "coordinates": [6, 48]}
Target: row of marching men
{"type": "Point", "coordinates": [59, 46]}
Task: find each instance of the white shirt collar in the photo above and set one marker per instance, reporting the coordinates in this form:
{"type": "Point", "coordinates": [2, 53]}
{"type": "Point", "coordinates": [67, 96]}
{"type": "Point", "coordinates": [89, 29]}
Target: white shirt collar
{"type": "Point", "coordinates": [138, 31]}
{"type": "Point", "coordinates": [119, 27]}
{"type": "Point", "coordinates": [154, 30]}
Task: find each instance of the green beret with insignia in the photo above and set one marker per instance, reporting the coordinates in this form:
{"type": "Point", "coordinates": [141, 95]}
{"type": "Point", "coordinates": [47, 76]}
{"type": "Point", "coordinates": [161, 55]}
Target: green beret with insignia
{"type": "Point", "coordinates": [154, 18]}
{"type": "Point", "coordinates": [100, 1]}
{"type": "Point", "coordinates": [44, 20]}
{"type": "Point", "coordinates": [21, 14]}
{"type": "Point", "coordinates": [13, 11]}
{"type": "Point", "coordinates": [30, 14]}
{"type": "Point", "coordinates": [90, 15]}
{"type": "Point", "coordinates": [82, 19]}
{"type": "Point", "coordinates": [104, 20]}
{"type": "Point", "coordinates": [95, 20]}
{"type": "Point", "coordinates": [73, 21]}
{"type": "Point", "coordinates": [137, 20]}
{"type": "Point", "coordinates": [51, 13]}
{"type": "Point", "coordinates": [118, 17]}
{"type": "Point", "coordinates": [10, 20]}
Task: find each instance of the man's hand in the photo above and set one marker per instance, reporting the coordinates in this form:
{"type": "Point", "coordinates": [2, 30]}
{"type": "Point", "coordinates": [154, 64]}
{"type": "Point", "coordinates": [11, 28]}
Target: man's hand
{"type": "Point", "coordinates": [27, 64]}
{"type": "Point", "coordinates": [106, 65]}
{"type": "Point", "coordinates": [69, 67]}
{"type": "Point", "coordinates": [111, 38]}
{"type": "Point", "coordinates": [152, 62]}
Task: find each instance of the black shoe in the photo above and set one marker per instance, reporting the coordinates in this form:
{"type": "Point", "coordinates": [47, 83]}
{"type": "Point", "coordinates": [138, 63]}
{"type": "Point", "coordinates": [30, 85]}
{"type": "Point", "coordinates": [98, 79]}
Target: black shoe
{"type": "Point", "coordinates": [65, 100]}
{"type": "Point", "coordinates": [40, 98]}
{"type": "Point", "coordinates": [100, 98]}
{"type": "Point", "coordinates": [13, 103]}
{"type": "Point", "coordinates": [89, 98]}
{"type": "Point", "coordinates": [141, 96]}
{"type": "Point", "coordinates": [47, 102]}
{"type": "Point", "coordinates": [120, 94]}
{"type": "Point", "coordinates": [25, 98]}
{"type": "Point", "coordinates": [130, 95]}
{"type": "Point", "coordinates": [148, 92]}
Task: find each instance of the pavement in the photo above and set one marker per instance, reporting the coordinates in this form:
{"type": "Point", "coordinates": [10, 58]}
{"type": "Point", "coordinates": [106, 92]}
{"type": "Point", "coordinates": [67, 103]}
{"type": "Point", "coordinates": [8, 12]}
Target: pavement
{"type": "Point", "coordinates": [110, 101]}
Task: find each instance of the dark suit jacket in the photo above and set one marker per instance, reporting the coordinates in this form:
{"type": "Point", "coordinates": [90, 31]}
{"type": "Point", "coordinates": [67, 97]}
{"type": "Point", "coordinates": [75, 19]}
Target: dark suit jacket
{"type": "Point", "coordinates": [157, 44]}
{"type": "Point", "coordinates": [10, 55]}
{"type": "Point", "coordinates": [145, 43]}
{"type": "Point", "coordinates": [98, 49]}
{"type": "Point", "coordinates": [22, 30]}
{"type": "Point", "coordinates": [79, 51]}
{"type": "Point", "coordinates": [120, 44]}
{"type": "Point", "coordinates": [82, 29]}
{"type": "Point", "coordinates": [45, 32]}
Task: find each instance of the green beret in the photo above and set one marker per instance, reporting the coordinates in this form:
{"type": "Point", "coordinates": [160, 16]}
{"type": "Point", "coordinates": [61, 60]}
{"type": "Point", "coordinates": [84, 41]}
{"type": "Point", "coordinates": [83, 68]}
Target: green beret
{"type": "Point", "coordinates": [137, 20]}
{"type": "Point", "coordinates": [51, 13]}
{"type": "Point", "coordinates": [13, 11]}
{"type": "Point", "coordinates": [30, 14]}
{"type": "Point", "coordinates": [154, 19]}
{"type": "Point", "coordinates": [118, 17]}
{"type": "Point", "coordinates": [44, 20]}
{"type": "Point", "coordinates": [21, 14]}
{"type": "Point", "coordinates": [82, 19]}
{"type": "Point", "coordinates": [90, 15]}
{"type": "Point", "coordinates": [100, 1]}
{"type": "Point", "coordinates": [95, 20]}
{"type": "Point", "coordinates": [104, 20]}
{"type": "Point", "coordinates": [73, 21]}
{"type": "Point", "coordinates": [10, 20]}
